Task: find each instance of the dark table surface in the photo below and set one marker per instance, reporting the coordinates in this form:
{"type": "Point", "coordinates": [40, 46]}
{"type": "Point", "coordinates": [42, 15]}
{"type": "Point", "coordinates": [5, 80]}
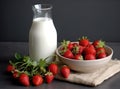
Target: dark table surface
{"type": "Point", "coordinates": [7, 50]}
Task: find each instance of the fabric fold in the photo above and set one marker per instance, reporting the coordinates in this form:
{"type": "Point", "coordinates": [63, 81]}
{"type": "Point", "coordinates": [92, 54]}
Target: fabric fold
{"type": "Point", "coordinates": [94, 78]}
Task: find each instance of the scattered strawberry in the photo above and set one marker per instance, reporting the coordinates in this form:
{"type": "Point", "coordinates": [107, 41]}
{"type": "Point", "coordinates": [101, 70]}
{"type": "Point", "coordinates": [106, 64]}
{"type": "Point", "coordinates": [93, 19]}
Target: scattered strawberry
{"type": "Point", "coordinates": [15, 74]}
{"type": "Point", "coordinates": [27, 71]}
{"type": "Point", "coordinates": [37, 80]}
{"type": "Point", "coordinates": [84, 41]}
{"type": "Point", "coordinates": [24, 79]}
{"type": "Point", "coordinates": [89, 57]}
{"type": "Point", "coordinates": [10, 68]}
{"type": "Point", "coordinates": [49, 77]}
{"type": "Point", "coordinates": [53, 68]}
{"type": "Point", "coordinates": [65, 71]}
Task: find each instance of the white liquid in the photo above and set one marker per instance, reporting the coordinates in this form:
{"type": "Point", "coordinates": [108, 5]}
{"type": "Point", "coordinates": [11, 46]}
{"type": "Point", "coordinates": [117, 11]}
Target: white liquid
{"type": "Point", "coordinates": [42, 39]}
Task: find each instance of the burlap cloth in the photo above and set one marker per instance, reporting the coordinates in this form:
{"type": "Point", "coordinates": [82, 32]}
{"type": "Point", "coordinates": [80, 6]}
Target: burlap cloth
{"type": "Point", "coordinates": [95, 78]}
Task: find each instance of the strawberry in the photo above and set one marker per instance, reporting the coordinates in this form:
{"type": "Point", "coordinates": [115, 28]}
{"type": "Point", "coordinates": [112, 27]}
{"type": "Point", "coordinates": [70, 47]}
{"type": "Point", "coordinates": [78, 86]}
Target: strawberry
{"type": "Point", "coordinates": [101, 55]}
{"type": "Point", "coordinates": [89, 50]}
{"type": "Point", "coordinates": [15, 74]}
{"type": "Point", "coordinates": [75, 44]}
{"type": "Point", "coordinates": [84, 41]}
{"type": "Point", "coordinates": [53, 68]}
{"type": "Point", "coordinates": [37, 80]}
{"type": "Point", "coordinates": [24, 79]}
{"type": "Point", "coordinates": [100, 49]}
{"type": "Point", "coordinates": [70, 46]}
{"type": "Point", "coordinates": [81, 48]}
{"type": "Point", "coordinates": [10, 68]}
{"type": "Point", "coordinates": [78, 57]}
{"type": "Point", "coordinates": [101, 52]}
{"type": "Point", "coordinates": [67, 44]}
{"type": "Point", "coordinates": [98, 43]}
{"type": "Point", "coordinates": [90, 57]}
{"type": "Point", "coordinates": [49, 77]}
{"type": "Point", "coordinates": [68, 53]}
{"type": "Point", "coordinates": [65, 71]}
{"type": "Point", "coordinates": [77, 49]}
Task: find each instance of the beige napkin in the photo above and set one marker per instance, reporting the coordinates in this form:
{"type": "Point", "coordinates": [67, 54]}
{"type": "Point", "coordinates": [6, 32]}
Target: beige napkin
{"type": "Point", "coordinates": [95, 78]}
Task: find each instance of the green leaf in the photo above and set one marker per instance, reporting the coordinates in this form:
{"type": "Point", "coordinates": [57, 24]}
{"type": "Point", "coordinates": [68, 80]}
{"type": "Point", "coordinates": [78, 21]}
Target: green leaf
{"type": "Point", "coordinates": [34, 63]}
{"type": "Point", "coordinates": [26, 59]}
{"type": "Point", "coordinates": [11, 62]}
{"type": "Point", "coordinates": [18, 56]}
{"type": "Point", "coordinates": [43, 70]}
{"type": "Point", "coordinates": [42, 63]}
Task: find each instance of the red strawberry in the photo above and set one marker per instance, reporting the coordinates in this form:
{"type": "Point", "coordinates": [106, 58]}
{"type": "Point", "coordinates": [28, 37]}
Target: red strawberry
{"type": "Point", "coordinates": [84, 41]}
{"type": "Point", "coordinates": [64, 46]}
{"type": "Point", "coordinates": [67, 44]}
{"type": "Point", "coordinates": [78, 57]}
{"type": "Point", "coordinates": [100, 49]}
{"type": "Point", "coordinates": [24, 79]}
{"type": "Point", "coordinates": [53, 68]}
{"type": "Point", "coordinates": [10, 68]}
{"type": "Point", "coordinates": [78, 49]}
{"type": "Point", "coordinates": [81, 48]}
{"type": "Point", "coordinates": [65, 71]}
{"type": "Point", "coordinates": [90, 57]}
{"type": "Point", "coordinates": [101, 55]}
{"type": "Point", "coordinates": [75, 44]}
{"type": "Point", "coordinates": [68, 54]}
{"type": "Point", "coordinates": [89, 50]}
{"type": "Point", "coordinates": [70, 46]}
{"type": "Point", "coordinates": [37, 80]}
{"type": "Point", "coordinates": [98, 43]}
{"type": "Point", "coordinates": [15, 74]}
{"type": "Point", "coordinates": [49, 77]}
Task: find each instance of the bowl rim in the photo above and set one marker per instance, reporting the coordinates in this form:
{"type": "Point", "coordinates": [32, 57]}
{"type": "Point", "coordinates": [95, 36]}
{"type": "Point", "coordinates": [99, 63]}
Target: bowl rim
{"type": "Point", "coordinates": [57, 52]}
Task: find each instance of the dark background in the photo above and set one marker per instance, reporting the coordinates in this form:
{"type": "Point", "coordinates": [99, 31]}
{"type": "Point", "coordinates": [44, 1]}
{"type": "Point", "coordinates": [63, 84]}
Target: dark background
{"type": "Point", "coordinates": [97, 19]}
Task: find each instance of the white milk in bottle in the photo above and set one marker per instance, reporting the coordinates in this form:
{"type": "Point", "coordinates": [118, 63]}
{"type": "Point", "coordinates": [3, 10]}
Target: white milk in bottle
{"type": "Point", "coordinates": [42, 35]}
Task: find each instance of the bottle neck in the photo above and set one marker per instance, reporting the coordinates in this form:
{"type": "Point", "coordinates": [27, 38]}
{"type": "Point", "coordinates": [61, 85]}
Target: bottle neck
{"type": "Point", "coordinates": [42, 11]}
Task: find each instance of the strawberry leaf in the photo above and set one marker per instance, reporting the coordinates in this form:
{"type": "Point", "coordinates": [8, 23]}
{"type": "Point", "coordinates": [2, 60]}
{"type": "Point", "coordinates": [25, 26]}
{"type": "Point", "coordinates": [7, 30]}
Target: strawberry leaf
{"type": "Point", "coordinates": [42, 63]}
{"type": "Point", "coordinates": [18, 56]}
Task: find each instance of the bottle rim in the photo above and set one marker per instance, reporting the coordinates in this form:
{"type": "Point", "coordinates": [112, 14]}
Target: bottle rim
{"type": "Point", "coordinates": [42, 6]}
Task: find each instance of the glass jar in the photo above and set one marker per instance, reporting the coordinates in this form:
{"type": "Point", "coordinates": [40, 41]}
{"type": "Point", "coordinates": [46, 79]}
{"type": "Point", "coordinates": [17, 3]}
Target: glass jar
{"type": "Point", "coordinates": [42, 35]}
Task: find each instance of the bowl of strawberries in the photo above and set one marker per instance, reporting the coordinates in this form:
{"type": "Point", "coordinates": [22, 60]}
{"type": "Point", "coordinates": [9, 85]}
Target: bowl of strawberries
{"type": "Point", "coordinates": [83, 55]}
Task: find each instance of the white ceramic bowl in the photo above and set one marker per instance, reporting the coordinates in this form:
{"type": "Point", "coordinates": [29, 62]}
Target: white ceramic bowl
{"type": "Point", "coordinates": [86, 65]}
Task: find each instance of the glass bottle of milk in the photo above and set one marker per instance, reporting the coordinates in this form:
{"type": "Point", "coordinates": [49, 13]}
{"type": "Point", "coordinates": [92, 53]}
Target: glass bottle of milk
{"type": "Point", "coordinates": [42, 35]}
